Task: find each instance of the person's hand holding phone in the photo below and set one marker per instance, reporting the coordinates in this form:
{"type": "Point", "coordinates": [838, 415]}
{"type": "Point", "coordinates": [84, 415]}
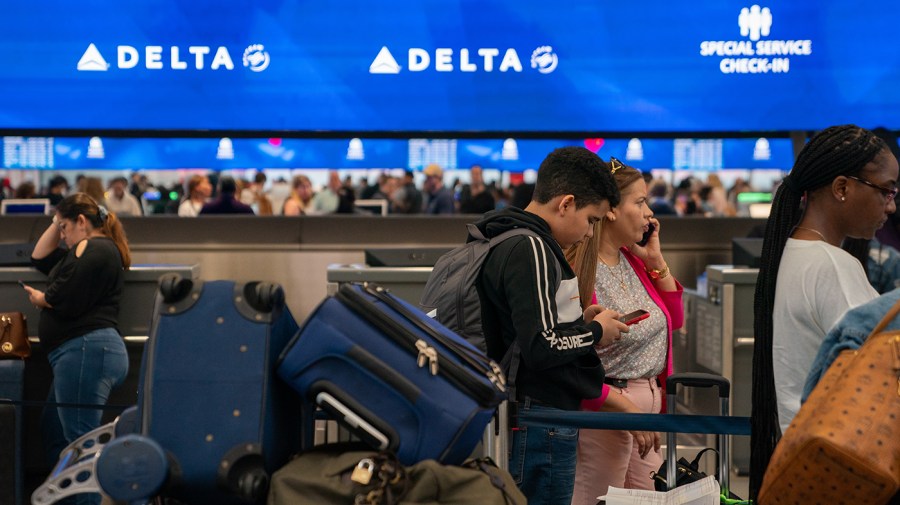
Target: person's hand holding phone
{"type": "Point", "coordinates": [35, 296]}
{"type": "Point", "coordinates": [648, 249]}
{"type": "Point", "coordinates": [591, 312]}
{"type": "Point", "coordinates": [612, 327]}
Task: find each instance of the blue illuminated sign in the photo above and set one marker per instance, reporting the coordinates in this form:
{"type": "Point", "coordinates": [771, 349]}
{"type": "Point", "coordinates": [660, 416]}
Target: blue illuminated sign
{"type": "Point", "coordinates": [428, 65]}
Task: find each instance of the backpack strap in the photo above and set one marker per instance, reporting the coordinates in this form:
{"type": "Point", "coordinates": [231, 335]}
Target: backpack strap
{"type": "Point", "coordinates": [476, 233]}
{"type": "Point", "coordinates": [510, 366]}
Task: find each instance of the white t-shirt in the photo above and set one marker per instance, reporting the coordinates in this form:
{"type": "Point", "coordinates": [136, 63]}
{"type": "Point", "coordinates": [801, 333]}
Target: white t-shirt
{"type": "Point", "coordinates": [817, 283]}
{"type": "Point", "coordinates": [127, 206]}
{"type": "Point", "coordinates": [189, 209]}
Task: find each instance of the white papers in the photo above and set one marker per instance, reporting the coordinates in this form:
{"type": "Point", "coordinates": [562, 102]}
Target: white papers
{"type": "Point", "coordinates": [703, 492]}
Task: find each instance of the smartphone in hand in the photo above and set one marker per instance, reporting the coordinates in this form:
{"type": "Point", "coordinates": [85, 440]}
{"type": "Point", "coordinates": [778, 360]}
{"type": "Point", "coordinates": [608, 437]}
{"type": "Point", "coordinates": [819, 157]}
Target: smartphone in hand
{"type": "Point", "coordinates": [647, 235]}
{"type": "Point", "coordinates": [634, 317]}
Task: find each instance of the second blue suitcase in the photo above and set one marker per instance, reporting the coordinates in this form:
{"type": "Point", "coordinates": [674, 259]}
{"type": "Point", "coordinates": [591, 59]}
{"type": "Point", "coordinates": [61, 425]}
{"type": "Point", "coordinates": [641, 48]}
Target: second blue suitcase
{"type": "Point", "coordinates": [398, 379]}
{"type": "Point", "coordinates": [210, 397]}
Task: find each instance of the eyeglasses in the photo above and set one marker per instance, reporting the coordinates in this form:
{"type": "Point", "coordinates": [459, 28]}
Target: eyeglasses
{"type": "Point", "coordinates": [887, 193]}
{"type": "Point", "coordinates": [614, 165]}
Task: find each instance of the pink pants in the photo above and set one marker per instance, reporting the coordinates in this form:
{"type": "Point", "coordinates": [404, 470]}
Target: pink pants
{"type": "Point", "coordinates": [610, 458]}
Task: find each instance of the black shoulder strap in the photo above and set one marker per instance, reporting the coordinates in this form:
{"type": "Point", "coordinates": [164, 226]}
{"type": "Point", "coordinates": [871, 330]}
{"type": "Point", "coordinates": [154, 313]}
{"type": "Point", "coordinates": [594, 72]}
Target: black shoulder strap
{"type": "Point", "coordinates": [476, 233]}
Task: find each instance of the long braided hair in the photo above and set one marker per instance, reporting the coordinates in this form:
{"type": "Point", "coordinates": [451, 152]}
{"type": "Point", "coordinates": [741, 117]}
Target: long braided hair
{"type": "Point", "coordinates": [835, 151]}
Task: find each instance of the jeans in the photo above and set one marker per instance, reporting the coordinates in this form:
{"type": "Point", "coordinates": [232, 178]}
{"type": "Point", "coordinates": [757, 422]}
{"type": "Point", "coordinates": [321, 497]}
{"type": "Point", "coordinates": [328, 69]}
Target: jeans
{"type": "Point", "coordinates": [85, 369]}
{"type": "Point", "coordinates": [542, 460]}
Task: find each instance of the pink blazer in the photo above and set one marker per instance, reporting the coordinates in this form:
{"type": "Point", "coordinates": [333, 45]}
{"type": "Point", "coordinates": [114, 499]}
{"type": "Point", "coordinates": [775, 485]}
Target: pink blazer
{"type": "Point", "coordinates": [670, 302]}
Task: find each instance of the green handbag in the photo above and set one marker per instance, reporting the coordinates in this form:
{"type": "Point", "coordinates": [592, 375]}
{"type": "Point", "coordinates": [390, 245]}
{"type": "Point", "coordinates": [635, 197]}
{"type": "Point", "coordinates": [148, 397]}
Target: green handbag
{"type": "Point", "coordinates": [343, 474]}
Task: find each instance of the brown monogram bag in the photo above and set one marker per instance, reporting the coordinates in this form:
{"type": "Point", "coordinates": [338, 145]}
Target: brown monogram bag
{"type": "Point", "coordinates": [13, 336]}
{"type": "Point", "coordinates": [844, 444]}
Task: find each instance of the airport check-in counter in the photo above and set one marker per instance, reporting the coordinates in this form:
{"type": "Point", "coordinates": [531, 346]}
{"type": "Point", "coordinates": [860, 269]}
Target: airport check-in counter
{"type": "Point", "coordinates": [403, 271]}
{"type": "Point", "coordinates": [136, 310]}
{"type": "Point", "coordinates": [718, 338]}
{"type": "Point", "coordinates": [404, 282]}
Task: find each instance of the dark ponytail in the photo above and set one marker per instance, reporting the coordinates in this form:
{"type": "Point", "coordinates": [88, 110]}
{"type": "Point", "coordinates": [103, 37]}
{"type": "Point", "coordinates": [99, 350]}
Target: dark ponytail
{"type": "Point", "coordinates": [100, 218]}
{"type": "Point", "coordinates": [835, 151]}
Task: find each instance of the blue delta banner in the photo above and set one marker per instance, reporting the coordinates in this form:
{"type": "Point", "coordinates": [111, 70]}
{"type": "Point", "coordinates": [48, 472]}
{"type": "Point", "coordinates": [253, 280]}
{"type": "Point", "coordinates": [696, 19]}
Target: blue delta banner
{"type": "Point", "coordinates": [448, 65]}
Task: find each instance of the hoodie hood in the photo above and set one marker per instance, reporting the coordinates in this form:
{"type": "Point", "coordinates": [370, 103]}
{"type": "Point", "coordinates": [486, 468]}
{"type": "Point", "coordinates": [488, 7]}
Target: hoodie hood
{"type": "Point", "coordinates": [498, 221]}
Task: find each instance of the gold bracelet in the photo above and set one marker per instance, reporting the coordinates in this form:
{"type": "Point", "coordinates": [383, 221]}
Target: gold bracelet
{"type": "Point", "coordinates": [656, 274]}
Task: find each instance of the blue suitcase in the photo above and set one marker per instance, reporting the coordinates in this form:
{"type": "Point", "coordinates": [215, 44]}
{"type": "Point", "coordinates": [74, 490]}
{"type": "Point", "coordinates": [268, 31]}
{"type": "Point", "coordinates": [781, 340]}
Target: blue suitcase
{"type": "Point", "coordinates": [398, 379]}
{"type": "Point", "coordinates": [213, 421]}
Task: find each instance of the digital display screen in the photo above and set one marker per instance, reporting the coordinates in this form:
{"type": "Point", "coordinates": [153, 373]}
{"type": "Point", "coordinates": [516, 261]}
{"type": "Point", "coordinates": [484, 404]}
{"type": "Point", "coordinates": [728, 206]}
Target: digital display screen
{"type": "Point", "coordinates": [24, 206]}
{"type": "Point", "coordinates": [512, 155]}
{"type": "Point", "coordinates": [463, 65]}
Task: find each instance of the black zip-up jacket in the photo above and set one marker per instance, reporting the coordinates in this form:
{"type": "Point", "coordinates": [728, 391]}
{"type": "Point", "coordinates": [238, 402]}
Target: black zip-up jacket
{"type": "Point", "coordinates": [524, 297]}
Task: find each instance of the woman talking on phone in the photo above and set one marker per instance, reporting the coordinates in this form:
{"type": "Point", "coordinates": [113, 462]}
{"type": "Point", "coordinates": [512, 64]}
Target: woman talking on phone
{"type": "Point", "coordinates": [79, 316]}
{"type": "Point", "coordinates": [625, 273]}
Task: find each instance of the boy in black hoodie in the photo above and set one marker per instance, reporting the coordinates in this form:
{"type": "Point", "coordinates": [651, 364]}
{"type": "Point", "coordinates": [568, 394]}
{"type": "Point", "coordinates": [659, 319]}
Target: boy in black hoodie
{"type": "Point", "coordinates": [526, 299]}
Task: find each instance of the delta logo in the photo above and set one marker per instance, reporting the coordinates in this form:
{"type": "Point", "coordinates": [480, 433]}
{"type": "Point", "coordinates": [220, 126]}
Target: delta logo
{"type": "Point", "coordinates": [445, 59]}
{"type": "Point", "coordinates": [255, 58]}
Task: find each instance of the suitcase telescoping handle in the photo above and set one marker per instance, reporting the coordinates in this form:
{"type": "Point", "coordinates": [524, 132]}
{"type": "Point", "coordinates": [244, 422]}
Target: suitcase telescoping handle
{"type": "Point", "coordinates": [698, 380]}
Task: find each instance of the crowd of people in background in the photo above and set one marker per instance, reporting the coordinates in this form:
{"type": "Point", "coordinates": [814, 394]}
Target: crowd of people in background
{"type": "Point", "coordinates": [214, 193]}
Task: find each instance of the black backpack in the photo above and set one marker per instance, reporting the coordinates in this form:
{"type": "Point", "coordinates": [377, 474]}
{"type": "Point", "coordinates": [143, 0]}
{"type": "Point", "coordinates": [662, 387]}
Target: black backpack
{"type": "Point", "coordinates": [450, 295]}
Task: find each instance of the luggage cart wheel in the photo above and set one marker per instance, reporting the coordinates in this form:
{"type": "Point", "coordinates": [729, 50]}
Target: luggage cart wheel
{"type": "Point", "coordinates": [263, 296]}
{"type": "Point", "coordinates": [174, 288]}
{"type": "Point", "coordinates": [132, 468]}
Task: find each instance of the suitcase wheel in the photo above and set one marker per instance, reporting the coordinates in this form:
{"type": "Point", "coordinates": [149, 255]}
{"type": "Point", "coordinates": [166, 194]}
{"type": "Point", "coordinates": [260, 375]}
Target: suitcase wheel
{"type": "Point", "coordinates": [264, 296]}
{"type": "Point", "coordinates": [174, 288]}
{"type": "Point", "coordinates": [242, 471]}
{"type": "Point", "coordinates": [132, 468]}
